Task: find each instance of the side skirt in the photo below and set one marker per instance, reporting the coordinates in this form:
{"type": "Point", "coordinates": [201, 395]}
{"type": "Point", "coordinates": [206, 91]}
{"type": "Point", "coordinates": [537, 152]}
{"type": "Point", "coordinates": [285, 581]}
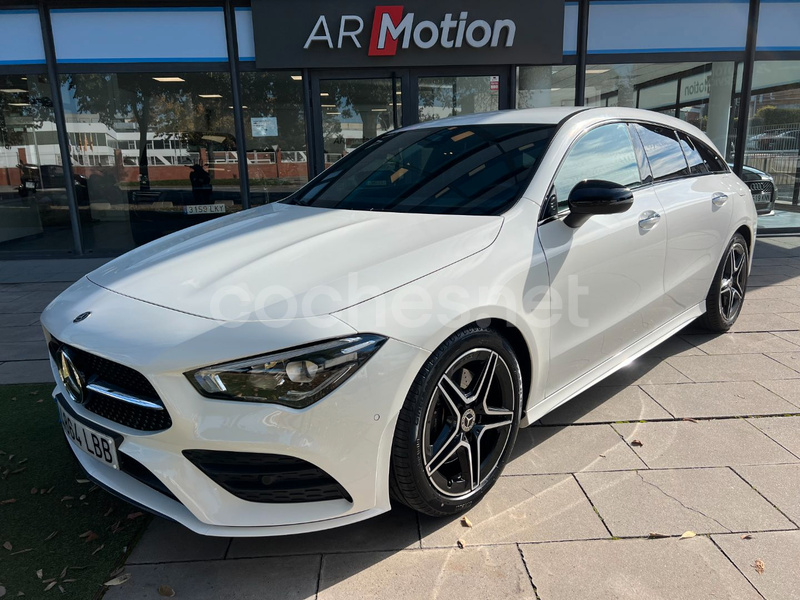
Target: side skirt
{"type": "Point", "coordinates": [613, 364]}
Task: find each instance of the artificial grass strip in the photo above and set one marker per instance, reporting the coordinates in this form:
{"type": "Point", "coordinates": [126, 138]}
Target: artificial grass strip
{"type": "Point", "coordinates": [60, 535]}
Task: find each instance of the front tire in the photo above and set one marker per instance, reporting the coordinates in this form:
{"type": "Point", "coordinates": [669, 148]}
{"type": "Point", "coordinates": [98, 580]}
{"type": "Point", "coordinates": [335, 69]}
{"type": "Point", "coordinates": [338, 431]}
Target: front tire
{"type": "Point", "coordinates": [726, 296]}
{"type": "Point", "coordinates": [458, 425]}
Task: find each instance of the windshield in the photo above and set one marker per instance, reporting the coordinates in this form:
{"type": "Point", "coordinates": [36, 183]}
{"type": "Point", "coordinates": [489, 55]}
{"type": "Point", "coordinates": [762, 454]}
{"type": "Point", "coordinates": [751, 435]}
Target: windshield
{"type": "Point", "coordinates": [465, 170]}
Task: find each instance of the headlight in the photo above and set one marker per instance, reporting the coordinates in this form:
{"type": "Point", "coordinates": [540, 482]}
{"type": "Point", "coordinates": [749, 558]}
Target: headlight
{"type": "Point", "coordinates": [295, 378]}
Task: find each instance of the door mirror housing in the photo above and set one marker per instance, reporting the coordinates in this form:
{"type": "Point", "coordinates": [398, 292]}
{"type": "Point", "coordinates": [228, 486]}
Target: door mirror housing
{"type": "Point", "coordinates": [596, 197]}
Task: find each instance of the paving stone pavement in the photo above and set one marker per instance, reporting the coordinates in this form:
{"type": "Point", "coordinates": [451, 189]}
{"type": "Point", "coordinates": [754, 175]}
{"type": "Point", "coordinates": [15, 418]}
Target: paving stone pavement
{"type": "Point", "coordinates": [701, 434]}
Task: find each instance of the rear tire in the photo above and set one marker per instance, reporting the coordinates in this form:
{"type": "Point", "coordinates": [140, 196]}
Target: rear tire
{"type": "Point", "coordinates": [458, 424]}
{"type": "Point", "coordinates": [726, 296]}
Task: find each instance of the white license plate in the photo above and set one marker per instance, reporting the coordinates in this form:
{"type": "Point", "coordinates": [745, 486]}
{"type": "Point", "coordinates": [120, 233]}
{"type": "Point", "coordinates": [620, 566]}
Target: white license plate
{"type": "Point", "coordinates": [204, 209]}
{"type": "Point", "coordinates": [98, 446]}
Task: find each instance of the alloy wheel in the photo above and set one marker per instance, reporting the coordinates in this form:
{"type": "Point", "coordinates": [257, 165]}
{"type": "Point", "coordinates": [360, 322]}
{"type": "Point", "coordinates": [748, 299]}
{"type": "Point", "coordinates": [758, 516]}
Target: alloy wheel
{"type": "Point", "coordinates": [468, 423]}
{"type": "Point", "coordinates": [733, 282]}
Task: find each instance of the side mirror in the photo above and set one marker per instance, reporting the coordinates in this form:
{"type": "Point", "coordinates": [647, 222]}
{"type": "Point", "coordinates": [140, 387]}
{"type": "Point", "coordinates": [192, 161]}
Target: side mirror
{"type": "Point", "coordinates": [596, 197]}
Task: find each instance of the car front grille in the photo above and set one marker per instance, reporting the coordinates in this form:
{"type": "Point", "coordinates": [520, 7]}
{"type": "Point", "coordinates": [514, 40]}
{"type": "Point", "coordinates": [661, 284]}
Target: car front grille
{"type": "Point", "coordinates": [762, 191]}
{"type": "Point", "coordinates": [96, 369]}
{"type": "Point", "coordinates": [269, 478]}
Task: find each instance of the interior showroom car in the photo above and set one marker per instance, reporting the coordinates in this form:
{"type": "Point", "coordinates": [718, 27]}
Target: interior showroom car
{"type": "Point", "coordinates": [381, 335]}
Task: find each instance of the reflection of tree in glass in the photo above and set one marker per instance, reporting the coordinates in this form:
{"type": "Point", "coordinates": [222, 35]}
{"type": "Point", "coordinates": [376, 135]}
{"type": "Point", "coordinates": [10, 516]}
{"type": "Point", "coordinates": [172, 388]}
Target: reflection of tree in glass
{"type": "Point", "coordinates": [274, 95]}
{"type": "Point", "coordinates": [441, 97]}
{"type": "Point", "coordinates": [367, 100]}
{"type": "Point", "coordinates": [24, 111]}
{"type": "Point", "coordinates": [171, 109]}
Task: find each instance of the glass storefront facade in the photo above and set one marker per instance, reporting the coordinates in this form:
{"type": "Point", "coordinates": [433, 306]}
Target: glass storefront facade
{"type": "Point", "coordinates": [161, 127]}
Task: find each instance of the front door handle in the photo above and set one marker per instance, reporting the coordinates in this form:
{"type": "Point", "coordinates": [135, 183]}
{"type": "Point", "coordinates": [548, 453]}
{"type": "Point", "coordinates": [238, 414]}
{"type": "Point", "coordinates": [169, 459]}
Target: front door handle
{"type": "Point", "coordinates": [649, 219]}
{"type": "Point", "coordinates": [719, 199]}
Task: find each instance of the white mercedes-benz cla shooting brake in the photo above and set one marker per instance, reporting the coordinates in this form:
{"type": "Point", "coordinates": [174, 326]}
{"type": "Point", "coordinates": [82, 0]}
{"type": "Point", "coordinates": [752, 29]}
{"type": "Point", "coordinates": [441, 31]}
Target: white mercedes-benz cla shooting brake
{"type": "Point", "coordinates": [382, 334]}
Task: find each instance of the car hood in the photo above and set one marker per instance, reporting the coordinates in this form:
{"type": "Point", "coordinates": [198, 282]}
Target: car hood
{"type": "Point", "coordinates": [283, 261]}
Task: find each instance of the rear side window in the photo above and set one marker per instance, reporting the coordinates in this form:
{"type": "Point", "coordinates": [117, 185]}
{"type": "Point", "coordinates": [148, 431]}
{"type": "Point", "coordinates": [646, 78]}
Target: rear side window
{"type": "Point", "coordinates": [712, 160]}
{"type": "Point", "coordinates": [697, 166]}
{"type": "Point", "coordinates": [606, 153]}
{"type": "Point", "coordinates": [663, 152]}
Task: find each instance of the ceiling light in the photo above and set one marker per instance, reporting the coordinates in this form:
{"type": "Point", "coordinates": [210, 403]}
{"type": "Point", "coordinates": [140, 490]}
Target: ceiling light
{"type": "Point", "coordinates": [324, 94]}
{"type": "Point", "coordinates": [398, 92]}
{"type": "Point", "coordinates": [169, 79]}
{"type": "Point", "coordinates": [24, 78]}
{"type": "Point", "coordinates": [210, 95]}
{"type": "Point", "coordinates": [328, 105]}
{"type": "Point", "coordinates": [596, 71]}
{"type": "Point", "coordinates": [19, 103]}
{"type": "Point", "coordinates": [379, 109]}
{"type": "Point", "coordinates": [554, 89]}
{"type": "Point", "coordinates": [13, 91]}
{"type": "Point", "coordinates": [297, 77]}
{"type": "Point", "coordinates": [333, 113]}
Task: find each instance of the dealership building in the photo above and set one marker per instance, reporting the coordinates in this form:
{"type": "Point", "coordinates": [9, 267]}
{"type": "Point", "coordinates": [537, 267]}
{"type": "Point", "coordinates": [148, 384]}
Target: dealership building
{"type": "Point", "coordinates": [123, 122]}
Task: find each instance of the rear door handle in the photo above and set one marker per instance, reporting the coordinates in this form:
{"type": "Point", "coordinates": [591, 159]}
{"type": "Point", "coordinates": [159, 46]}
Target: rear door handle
{"type": "Point", "coordinates": [719, 199]}
{"type": "Point", "coordinates": [649, 219]}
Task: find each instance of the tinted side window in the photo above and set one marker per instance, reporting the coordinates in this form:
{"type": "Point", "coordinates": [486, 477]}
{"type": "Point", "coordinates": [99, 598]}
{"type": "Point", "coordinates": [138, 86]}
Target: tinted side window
{"type": "Point", "coordinates": [697, 166]}
{"type": "Point", "coordinates": [663, 151]}
{"type": "Point", "coordinates": [711, 159]}
{"type": "Point", "coordinates": [605, 152]}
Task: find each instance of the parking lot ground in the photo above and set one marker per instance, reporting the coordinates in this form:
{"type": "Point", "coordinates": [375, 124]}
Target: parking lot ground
{"type": "Point", "coordinates": [700, 435]}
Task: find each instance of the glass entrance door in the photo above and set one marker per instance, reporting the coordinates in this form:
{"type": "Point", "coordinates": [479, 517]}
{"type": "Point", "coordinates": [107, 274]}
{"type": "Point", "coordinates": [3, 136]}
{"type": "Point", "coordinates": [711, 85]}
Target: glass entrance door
{"type": "Point", "coordinates": [353, 111]}
{"type": "Point", "coordinates": [352, 107]}
{"type": "Point", "coordinates": [450, 96]}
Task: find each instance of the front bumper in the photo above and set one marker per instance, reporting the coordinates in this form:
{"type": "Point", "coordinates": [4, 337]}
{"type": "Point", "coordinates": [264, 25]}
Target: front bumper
{"type": "Point", "coordinates": [348, 434]}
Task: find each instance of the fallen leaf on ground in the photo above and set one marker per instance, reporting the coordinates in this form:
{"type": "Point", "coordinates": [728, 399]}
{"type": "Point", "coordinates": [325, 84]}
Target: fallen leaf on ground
{"type": "Point", "coordinates": [21, 551]}
{"type": "Point", "coordinates": [636, 443]}
{"type": "Point", "coordinates": [67, 498]}
{"type": "Point", "coordinates": [134, 515]}
{"type": "Point", "coordinates": [50, 586]}
{"type": "Point", "coordinates": [34, 491]}
{"type": "Point", "coordinates": [653, 535]}
{"type": "Point", "coordinates": [166, 591]}
{"type": "Point", "coordinates": [39, 573]}
{"type": "Point", "coordinates": [51, 536]}
{"type": "Point", "coordinates": [2, 591]}
{"type": "Point", "coordinates": [9, 501]}
{"type": "Point", "coordinates": [747, 536]}
{"type": "Point", "coordinates": [117, 571]}
{"type": "Point", "coordinates": [466, 522]}
{"type": "Point", "coordinates": [461, 544]}
{"type": "Point", "coordinates": [8, 546]}
{"type": "Point", "coordinates": [22, 462]}
{"type": "Point", "coordinates": [96, 550]}
{"type": "Point", "coordinates": [68, 580]}
{"type": "Point", "coordinates": [61, 589]}
{"type": "Point", "coordinates": [82, 481]}
{"type": "Point", "coordinates": [109, 511]}
{"type": "Point", "coordinates": [48, 580]}
{"type": "Point", "coordinates": [118, 580]}
{"type": "Point", "coordinates": [89, 535]}
{"type": "Point", "coordinates": [63, 573]}
{"type": "Point", "coordinates": [687, 534]}
{"type": "Point", "coordinates": [759, 566]}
